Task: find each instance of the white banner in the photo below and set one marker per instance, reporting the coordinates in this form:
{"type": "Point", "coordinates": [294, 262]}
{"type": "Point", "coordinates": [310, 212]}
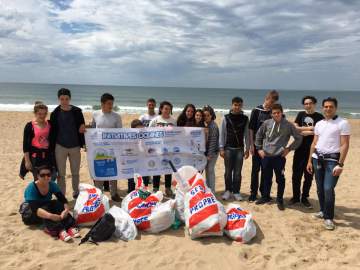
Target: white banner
{"type": "Point", "coordinates": [118, 153]}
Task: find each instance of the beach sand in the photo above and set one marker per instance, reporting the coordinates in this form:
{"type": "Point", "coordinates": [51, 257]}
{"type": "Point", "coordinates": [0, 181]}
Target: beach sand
{"type": "Point", "coordinates": [291, 239]}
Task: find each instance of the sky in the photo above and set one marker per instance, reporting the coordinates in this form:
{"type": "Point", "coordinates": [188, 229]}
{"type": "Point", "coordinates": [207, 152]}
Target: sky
{"type": "Point", "coordinates": [303, 44]}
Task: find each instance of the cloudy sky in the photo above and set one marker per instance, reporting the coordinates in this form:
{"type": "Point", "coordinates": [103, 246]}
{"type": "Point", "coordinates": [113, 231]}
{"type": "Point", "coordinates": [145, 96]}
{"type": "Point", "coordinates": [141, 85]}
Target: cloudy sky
{"type": "Point", "coordinates": [304, 44]}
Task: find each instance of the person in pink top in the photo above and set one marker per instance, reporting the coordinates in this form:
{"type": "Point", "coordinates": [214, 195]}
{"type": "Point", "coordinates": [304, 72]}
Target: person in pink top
{"type": "Point", "coordinates": [36, 142]}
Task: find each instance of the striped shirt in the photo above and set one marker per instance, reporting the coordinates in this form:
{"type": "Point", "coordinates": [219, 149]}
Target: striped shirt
{"type": "Point", "coordinates": [212, 143]}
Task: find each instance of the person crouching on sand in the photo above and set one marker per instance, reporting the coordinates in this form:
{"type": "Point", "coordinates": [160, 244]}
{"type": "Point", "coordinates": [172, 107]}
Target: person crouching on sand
{"type": "Point", "coordinates": [54, 214]}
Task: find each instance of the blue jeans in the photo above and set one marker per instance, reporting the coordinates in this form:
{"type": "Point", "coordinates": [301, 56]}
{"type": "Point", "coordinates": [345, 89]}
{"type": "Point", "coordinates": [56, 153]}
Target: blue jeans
{"type": "Point", "coordinates": [210, 172]}
{"type": "Point", "coordinates": [233, 160]}
{"type": "Point", "coordinates": [275, 164]}
{"type": "Point", "coordinates": [325, 183]}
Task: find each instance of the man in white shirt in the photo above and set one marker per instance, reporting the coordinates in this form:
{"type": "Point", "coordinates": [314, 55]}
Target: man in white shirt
{"type": "Point", "coordinates": [107, 118]}
{"type": "Point", "coordinates": [327, 155]}
{"type": "Point", "coordinates": [150, 115]}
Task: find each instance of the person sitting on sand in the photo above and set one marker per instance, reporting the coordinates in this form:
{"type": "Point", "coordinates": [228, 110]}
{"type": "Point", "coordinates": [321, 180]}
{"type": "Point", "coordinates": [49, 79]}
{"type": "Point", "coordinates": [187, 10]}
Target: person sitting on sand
{"type": "Point", "coordinates": [54, 214]}
{"type": "Point", "coordinates": [327, 156]}
{"type": "Point", "coordinates": [36, 144]}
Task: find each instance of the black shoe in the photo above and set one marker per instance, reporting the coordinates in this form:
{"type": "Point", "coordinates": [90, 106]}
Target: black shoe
{"type": "Point", "coordinates": [116, 198]}
{"type": "Point", "coordinates": [280, 205]}
{"type": "Point", "coordinates": [293, 201]}
{"type": "Point", "coordinates": [306, 203]}
{"type": "Point", "coordinates": [262, 200]}
{"type": "Point", "coordinates": [252, 198]}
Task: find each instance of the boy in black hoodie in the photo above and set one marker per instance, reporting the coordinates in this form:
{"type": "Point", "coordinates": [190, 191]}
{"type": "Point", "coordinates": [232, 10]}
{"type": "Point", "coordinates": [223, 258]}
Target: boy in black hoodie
{"type": "Point", "coordinates": [67, 136]}
{"type": "Point", "coordinates": [257, 117]}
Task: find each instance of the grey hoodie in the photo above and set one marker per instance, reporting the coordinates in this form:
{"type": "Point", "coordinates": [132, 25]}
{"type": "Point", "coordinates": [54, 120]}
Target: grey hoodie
{"type": "Point", "coordinates": [273, 137]}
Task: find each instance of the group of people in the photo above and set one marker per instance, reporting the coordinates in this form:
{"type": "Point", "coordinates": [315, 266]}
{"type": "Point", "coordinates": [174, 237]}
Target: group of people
{"type": "Point", "coordinates": [320, 142]}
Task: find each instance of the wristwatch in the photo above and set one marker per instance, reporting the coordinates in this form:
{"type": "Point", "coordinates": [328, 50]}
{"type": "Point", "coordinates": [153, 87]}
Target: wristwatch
{"type": "Point", "coordinates": [340, 164]}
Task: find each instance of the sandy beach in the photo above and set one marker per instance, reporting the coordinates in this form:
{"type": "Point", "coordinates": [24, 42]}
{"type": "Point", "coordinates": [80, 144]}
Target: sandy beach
{"type": "Point", "coordinates": [291, 239]}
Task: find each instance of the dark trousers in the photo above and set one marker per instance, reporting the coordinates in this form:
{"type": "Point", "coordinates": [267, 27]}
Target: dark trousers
{"type": "Point", "coordinates": [299, 170]}
{"type": "Point", "coordinates": [156, 181]}
{"type": "Point", "coordinates": [255, 169]}
{"type": "Point", "coordinates": [41, 158]}
{"type": "Point", "coordinates": [274, 164]}
{"type": "Point", "coordinates": [54, 227]}
{"type": "Point", "coordinates": [131, 183]}
{"type": "Point", "coordinates": [233, 161]}
{"type": "Point", "coordinates": [325, 183]}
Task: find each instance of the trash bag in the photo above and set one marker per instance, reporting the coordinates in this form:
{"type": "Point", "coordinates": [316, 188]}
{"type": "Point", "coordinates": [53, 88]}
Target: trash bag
{"type": "Point", "coordinates": [240, 225]}
{"type": "Point", "coordinates": [146, 209]}
{"type": "Point", "coordinates": [125, 227]}
{"type": "Point", "coordinates": [204, 214]}
{"type": "Point", "coordinates": [90, 205]}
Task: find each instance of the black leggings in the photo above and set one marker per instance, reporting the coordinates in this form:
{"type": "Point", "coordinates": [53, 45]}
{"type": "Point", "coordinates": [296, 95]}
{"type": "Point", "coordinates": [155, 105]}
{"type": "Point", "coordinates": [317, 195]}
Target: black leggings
{"type": "Point", "coordinates": [131, 183]}
{"type": "Point", "coordinates": [56, 207]}
{"type": "Point", "coordinates": [156, 181]}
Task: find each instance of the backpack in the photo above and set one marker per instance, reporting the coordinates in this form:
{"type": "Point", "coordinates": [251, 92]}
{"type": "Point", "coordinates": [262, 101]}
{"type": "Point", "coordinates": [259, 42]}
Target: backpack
{"type": "Point", "coordinates": [27, 215]}
{"type": "Point", "coordinates": [101, 231]}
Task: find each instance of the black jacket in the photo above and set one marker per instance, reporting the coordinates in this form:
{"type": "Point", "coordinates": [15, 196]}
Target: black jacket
{"type": "Point", "coordinates": [79, 120]}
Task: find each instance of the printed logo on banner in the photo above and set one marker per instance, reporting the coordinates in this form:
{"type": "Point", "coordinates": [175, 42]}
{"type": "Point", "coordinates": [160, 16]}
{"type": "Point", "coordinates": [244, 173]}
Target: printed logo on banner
{"type": "Point", "coordinates": [165, 162]}
{"type": "Point", "coordinates": [165, 150]}
{"type": "Point", "coordinates": [151, 150]}
{"type": "Point", "coordinates": [177, 161]}
{"type": "Point", "coordinates": [151, 163]}
{"type": "Point", "coordinates": [176, 149]}
{"type": "Point", "coordinates": [105, 163]}
{"type": "Point", "coordinates": [196, 133]}
{"type": "Point", "coordinates": [128, 152]}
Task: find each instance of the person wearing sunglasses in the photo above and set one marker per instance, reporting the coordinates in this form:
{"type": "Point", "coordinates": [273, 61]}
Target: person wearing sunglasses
{"type": "Point", "coordinates": [54, 214]}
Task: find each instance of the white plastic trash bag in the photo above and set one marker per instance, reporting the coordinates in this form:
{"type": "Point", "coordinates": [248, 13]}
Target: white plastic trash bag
{"type": "Point", "coordinates": [183, 178]}
{"type": "Point", "coordinates": [162, 217]}
{"type": "Point", "coordinates": [125, 227]}
{"type": "Point", "coordinates": [146, 209]}
{"type": "Point", "coordinates": [91, 204]}
{"type": "Point", "coordinates": [240, 224]}
{"type": "Point", "coordinates": [180, 207]}
{"type": "Point", "coordinates": [204, 214]}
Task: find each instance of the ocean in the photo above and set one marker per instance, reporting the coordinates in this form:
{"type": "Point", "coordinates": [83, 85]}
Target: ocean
{"type": "Point", "coordinates": [132, 99]}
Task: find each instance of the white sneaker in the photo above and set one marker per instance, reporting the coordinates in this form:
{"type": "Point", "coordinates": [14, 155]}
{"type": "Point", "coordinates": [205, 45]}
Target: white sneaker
{"type": "Point", "coordinates": [318, 215]}
{"type": "Point", "coordinates": [238, 197]}
{"type": "Point", "coordinates": [329, 224]}
{"type": "Point", "coordinates": [226, 196]}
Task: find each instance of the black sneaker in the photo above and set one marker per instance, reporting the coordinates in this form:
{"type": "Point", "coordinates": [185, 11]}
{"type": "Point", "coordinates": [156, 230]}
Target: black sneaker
{"type": "Point", "coordinates": [262, 200]}
{"type": "Point", "coordinates": [306, 203]}
{"type": "Point", "coordinates": [293, 201]}
{"type": "Point", "coordinates": [280, 205]}
{"type": "Point", "coordinates": [116, 198]}
{"type": "Point", "coordinates": [252, 198]}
